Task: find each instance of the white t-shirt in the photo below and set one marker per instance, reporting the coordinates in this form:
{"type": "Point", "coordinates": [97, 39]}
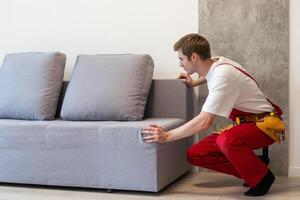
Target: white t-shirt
{"type": "Point", "coordinates": [230, 88]}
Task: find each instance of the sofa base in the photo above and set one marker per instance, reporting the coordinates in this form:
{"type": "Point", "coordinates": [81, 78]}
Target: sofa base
{"type": "Point", "coordinates": [108, 155]}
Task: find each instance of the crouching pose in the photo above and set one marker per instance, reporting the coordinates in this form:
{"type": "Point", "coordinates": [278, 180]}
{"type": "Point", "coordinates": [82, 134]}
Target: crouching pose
{"type": "Point", "coordinates": [233, 93]}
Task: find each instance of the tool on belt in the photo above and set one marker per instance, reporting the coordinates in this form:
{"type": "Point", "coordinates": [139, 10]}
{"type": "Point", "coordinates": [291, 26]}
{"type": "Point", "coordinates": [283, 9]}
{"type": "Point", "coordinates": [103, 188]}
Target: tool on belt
{"type": "Point", "coordinates": [270, 123]}
{"type": "Point", "coordinates": [273, 126]}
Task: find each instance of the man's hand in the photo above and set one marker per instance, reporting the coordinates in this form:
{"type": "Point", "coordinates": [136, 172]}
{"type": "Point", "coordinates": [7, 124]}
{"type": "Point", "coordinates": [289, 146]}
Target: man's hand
{"type": "Point", "coordinates": [189, 81]}
{"type": "Point", "coordinates": [186, 79]}
{"type": "Point", "coordinates": [154, 133]}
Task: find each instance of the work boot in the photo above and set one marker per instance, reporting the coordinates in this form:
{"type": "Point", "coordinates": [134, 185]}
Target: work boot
{"type": "Point", "coordinates": [262, 187]}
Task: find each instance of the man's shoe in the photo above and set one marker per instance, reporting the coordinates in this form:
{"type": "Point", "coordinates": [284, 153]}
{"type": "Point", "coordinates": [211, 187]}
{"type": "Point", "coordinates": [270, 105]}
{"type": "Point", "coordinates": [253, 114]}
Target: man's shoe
{"type": "Point", "coordinates": [262, 187]}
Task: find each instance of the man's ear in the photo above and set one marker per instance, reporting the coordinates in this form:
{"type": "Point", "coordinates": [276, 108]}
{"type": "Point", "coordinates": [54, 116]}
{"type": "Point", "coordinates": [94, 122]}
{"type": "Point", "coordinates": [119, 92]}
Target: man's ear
{"type": "Point", "coordinates": [194, 56]}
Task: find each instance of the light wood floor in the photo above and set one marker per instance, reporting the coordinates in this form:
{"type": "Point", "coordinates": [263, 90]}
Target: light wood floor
{"type": "Point", "coordinates": [203, 185]}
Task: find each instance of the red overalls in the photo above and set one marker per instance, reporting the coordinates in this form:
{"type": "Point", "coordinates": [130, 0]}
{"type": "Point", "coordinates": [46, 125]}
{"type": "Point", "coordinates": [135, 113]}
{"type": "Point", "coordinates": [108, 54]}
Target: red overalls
{"type": "Point", "coordinates": [231, 152]}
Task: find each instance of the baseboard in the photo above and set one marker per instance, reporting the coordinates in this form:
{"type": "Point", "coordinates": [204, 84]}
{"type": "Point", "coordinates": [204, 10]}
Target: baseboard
{"type": "Point", "coordinates": [294, 171]}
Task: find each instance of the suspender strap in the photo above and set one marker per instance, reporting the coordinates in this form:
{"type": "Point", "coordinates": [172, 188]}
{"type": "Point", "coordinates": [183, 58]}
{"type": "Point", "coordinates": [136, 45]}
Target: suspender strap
{"type": "Point", "coordinates": [247, 74]}
{"type": "Point", "coordinates": [277, 108]}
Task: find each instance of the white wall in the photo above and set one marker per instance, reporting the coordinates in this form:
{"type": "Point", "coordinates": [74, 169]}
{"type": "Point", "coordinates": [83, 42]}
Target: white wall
{"type": "Point", "coordinates": [98, 26]}
{"type": "Point", "coordinates": [294, 103]}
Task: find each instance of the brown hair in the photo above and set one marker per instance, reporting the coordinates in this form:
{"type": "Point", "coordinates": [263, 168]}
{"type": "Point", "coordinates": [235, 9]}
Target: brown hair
{"type": "Point", "coordinates": [193, 43]}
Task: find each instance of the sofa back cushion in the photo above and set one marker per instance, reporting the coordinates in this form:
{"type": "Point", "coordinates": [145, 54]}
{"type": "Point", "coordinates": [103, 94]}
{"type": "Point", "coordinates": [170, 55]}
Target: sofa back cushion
{"type": "Point", "coordinates": [108, 87]}
{"type": "Point", "coordinates": [30, 85]}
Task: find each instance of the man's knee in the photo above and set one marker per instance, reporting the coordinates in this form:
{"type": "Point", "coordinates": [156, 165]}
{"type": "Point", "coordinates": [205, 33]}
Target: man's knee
{"type": "Point", "coordinates": [195, 156]}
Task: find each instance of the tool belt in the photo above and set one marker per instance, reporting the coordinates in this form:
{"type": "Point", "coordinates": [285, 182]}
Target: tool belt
{"type": "Point", "coordinates": [270, 123]}
{"type": "Point", "coordinates": [250, 118]}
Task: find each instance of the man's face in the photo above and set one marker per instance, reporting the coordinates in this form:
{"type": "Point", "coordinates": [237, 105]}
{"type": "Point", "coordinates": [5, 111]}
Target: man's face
{"type": "Point", "coordinates": [186, 63]}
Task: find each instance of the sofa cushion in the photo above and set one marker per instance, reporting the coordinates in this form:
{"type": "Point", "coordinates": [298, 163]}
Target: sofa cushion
{"type": "Point", "coordinates": [88, 154]}
{"type": "Point", "coordinates": [108, 87]}
{"type": "Point", "coordinates": [59, 133]}
{"type": "Point", "coordinates": [30, 85]}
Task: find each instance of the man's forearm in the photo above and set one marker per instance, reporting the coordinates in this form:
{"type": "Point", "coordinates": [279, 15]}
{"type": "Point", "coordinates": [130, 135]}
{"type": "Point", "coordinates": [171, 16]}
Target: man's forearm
{"type": "Point", "coordinates": [200, 123]}
{"type": "Point", "coordinates": [199, 81]}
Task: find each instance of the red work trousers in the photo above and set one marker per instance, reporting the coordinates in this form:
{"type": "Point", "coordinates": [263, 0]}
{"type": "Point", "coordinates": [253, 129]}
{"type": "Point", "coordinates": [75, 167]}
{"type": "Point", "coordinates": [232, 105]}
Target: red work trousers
{"type": "Point", "coordinates": [231, 152]}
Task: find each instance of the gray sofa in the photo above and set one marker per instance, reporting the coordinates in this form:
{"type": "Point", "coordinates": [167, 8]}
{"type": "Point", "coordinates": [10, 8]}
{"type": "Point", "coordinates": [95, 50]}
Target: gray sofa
{"type": "Point", "coordinates": [99, 154]}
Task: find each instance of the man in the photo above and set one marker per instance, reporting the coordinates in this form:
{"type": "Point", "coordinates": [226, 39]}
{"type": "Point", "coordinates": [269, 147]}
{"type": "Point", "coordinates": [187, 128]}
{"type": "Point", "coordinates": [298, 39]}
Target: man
{"type": "Point", "coordinates": [235, 94]}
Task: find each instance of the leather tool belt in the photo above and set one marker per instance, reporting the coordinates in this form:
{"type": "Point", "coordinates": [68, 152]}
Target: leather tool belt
{"type": "Point", "coordinates": [250, 118]}
{"type": "Point", "coordinates": [270, 123]}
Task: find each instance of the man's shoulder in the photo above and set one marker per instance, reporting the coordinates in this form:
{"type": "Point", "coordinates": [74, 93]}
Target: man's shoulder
{"type": "Point", "coordinates": [223, 61]}
{"type": "Point", "coordinates": [224, 70]}
{"type": "Point", "coordinates": [227, 68]}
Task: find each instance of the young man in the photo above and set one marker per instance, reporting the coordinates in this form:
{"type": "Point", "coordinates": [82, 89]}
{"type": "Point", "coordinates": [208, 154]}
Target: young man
{"type": "Point", "coordinates": [233, 93]}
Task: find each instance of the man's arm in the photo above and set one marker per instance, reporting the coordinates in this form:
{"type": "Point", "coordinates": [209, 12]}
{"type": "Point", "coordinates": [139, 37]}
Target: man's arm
{"type": "Point", "coordinates": [198, 124]}
{"type": "Point", "coordinates": [197, 82]}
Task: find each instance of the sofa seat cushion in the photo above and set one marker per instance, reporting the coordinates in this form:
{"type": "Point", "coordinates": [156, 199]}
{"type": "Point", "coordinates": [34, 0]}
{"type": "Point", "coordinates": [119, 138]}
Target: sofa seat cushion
{"type": "Point", "coordinates": [55, 133]}
{"type": "Point", "coordinates": [89, 154]}
{"type": "Point", "coordinates": [30, 85]}
{"type": "Point", "coordinates": [108, 87]}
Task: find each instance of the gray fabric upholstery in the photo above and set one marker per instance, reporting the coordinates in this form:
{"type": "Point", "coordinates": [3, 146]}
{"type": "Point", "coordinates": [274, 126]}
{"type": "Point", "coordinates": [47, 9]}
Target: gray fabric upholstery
{"type": "Point", "coordinates": [30, 85]}
{"type": "Point", "coordinates": [162, 93]}
{"type": "Point", "coordinates": [89, 154]}
{"type": "Point", "coordinates": [170, 98]}
{"type": "Point", "coordinates": [108, 87]}
{"type": "Point", "coordinates": [99, 154]}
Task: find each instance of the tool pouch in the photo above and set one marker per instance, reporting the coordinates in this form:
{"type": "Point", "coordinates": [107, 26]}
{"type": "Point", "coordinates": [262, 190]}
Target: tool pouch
{"type": "Point", "coordinates": [273, 126]}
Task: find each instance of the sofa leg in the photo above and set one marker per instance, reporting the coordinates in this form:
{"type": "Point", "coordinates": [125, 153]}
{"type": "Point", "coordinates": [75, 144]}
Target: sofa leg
{"type": "Point", "coordinates": [109, 191]}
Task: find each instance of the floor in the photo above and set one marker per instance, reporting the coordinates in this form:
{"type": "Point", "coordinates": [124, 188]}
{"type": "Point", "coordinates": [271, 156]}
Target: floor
{"type": "Point", "coordinates": [204, 186]}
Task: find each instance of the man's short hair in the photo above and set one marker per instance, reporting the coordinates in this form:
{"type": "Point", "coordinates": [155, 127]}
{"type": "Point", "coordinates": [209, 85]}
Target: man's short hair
{"type": "Point", "coordinates": [193, 43]}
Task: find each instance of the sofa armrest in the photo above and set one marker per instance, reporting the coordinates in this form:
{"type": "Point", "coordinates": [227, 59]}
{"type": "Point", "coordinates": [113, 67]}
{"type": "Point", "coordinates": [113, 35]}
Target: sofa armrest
{"type": "Point", "coordinates": [169, 98]}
